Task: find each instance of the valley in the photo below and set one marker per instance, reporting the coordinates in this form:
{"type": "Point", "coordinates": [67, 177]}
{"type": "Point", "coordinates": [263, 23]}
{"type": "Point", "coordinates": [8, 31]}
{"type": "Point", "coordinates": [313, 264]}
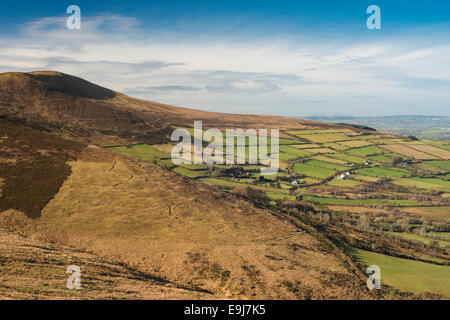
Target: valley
{"type": "Point", "coordinates": [89, 170]}
{"type": "Point", "coordinates": [391, 189]}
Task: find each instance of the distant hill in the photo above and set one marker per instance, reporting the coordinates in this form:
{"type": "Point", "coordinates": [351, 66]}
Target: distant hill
{"type": "Point", "coordinates": [428, 127]}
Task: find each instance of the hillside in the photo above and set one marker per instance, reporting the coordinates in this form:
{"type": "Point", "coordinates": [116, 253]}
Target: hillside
{"type": "Point", "coordinates": [33, 269]}
{"type": "Point", "coordinates": [76, 109]}
{"type": "Point", "coordinates": [90, 168]}
{"type": "Point", "coordinates": [180, 230]}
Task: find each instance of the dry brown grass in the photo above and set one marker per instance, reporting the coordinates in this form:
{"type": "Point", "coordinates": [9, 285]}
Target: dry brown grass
{"type": "Point", "coordinates": [31, 269]}
{"type": "Point", "coordinates": [14, 221]}
{"type": "Point", "coordinates": [408, 152]}
{"type": "Point", "coordinates": [443, 154]}
{"type": "Point", "coordinates": [182, 230]}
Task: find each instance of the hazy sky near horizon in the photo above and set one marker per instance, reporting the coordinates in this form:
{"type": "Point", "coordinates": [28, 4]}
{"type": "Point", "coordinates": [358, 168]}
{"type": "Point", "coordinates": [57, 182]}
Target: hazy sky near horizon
{"type": "Point", "coordinates": [294, 58]}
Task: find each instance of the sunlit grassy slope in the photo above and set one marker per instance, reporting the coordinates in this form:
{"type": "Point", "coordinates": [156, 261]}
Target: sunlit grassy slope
{"type": "Point", "coordinates": [185, 231]}
{"type": "Point", "coordinates": [409, 275]}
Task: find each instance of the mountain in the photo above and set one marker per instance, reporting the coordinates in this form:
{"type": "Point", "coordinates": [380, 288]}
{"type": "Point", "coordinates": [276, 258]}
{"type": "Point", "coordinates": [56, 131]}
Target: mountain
{"type": "Point", "coordinates": [77, 109]}
{"type": "Point", "coordinates": [59, 189]}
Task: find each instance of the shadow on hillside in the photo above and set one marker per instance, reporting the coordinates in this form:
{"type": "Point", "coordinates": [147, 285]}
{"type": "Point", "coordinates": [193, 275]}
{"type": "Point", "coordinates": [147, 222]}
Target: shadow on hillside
{"type": "Point", "coordinates": [73, 86]}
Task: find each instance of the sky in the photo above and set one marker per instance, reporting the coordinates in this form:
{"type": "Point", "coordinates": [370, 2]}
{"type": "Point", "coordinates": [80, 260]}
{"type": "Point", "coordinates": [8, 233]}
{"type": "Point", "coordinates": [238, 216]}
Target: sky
{"type": "Point", "coordinates": [293, 58]}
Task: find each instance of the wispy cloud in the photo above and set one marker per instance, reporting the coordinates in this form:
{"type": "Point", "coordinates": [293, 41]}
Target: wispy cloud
{"type": "Point", "coordinates": [399, 73]}
{"type": "Point", "coordinates": [159, 89]}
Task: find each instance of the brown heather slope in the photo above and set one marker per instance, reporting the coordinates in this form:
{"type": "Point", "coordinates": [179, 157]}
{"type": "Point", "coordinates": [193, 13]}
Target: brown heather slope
{"type": "Point", "coordinates": [133, 212]}
{"type": "Point", "coordinates": [74, 108]}
{"type": "Point", "coordinates": [137, 213]}
{"type": "Point", "coordinates": [32, 269]}
{"type": "Point", "coordinates": [33, 165]}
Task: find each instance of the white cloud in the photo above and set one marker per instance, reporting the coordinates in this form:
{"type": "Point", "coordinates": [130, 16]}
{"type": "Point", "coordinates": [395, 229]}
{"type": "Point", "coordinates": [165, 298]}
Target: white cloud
{"type": "Point", "coordinates": [394, 75]}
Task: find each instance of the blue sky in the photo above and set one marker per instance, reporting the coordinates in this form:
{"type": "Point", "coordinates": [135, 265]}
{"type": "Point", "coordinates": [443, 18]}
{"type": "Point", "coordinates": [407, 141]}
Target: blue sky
{"type": "Point", "coordinates": [295, 58]}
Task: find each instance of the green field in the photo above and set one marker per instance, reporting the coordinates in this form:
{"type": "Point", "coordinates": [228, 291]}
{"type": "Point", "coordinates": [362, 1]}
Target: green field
{"type": "Point", "coordinates": [328, 159]}
{"type": "Point", "coordinates": [321, 200]}
{"type": "Point", "coordinates": [141, 151]}
{"type": "Point", "coordinates": [313, 171]}
{"type": "Point", "coordinates": [306, 146]}
{"type": "Point", "coordinates": [380, 158]}
{"type": "Point", "coordinates": [326, 165]}
{"type": "Point", "coordinates": [425, 183]}
{"type": "Point", "coordinates": [440, 164]}
{"type": "Point", "coordinates": [277, 196]}
{"type": "Point", "coordinates": [429, 167]}
{"type": "Point", "coordinates": [346, 157]}
{"type": "Point", "coordinates": [335, 146]}
{"type": "Point", "coordinates": [344, 183]}
{"type": "Point", "coordinates": [381, 172]}
{"type": "Point", "coordinates": [364, 178]}
{"type": "Point", "coordinates": [287, 152]}
{"type": "Point", "coordinates": [409, 275]}
{"type": "Point", "coordinates": [355, 143]}
{"type": "Point", "coordinates": [424, 239]}
{"type": "Point", "coordinates": [190, 173]}
{"type": "Point", "coordinates": [320, 150]}
{"type": "Point", "coordinates": [365, 151]}
{"type": "Point", "coordinates": [438, 182]}
{"type": "Point", "coordinates": [336, 201]}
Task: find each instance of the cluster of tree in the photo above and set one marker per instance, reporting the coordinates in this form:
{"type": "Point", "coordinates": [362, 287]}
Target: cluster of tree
{"type": "Point", "coordinates": [234, 171]}
{"type": "Point", "coordinates": [252, 194]}
{"type": "Point", "coordinates": [297, 205]}
{"type": "Point", "coordinates": [381, 187]}
{"type": "Point", "coordinates": [288, 178]}
{"type": "Point", "coordinates": [358, 126]}
{"type": "Point", "coordinates": [394, 162]}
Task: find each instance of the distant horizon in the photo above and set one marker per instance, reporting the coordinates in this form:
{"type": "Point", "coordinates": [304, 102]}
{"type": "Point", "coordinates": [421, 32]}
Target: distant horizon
{"type": "Point", "coordinates": [379, 116]}
{"type": "Point", "coordinates": [308, 117]}
{"type": "Point", "coordinates": [285, 58]}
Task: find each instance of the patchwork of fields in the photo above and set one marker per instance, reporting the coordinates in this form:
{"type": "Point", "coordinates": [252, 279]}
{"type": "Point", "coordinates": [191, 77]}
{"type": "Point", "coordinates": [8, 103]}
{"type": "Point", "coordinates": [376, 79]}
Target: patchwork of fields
{"type": "Point", "coordinates": [366, 173]}
{"type": "Point", "coordinates": [319, 157]}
